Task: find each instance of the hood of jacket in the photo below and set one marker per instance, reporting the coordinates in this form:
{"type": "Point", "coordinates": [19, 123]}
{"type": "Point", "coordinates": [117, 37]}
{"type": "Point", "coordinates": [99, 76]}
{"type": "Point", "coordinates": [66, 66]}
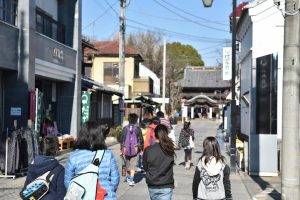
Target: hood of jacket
{"type": "Point", "coordinates": [42, 164]}
{"type": "Point", "coordinates": [212, 166]}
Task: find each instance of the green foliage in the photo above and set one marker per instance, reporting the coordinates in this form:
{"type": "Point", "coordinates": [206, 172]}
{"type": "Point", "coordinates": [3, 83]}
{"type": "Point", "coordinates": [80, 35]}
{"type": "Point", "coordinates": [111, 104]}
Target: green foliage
{"type": "Point", "coordinates": [115, 132]}
{"type": "Point", "coordinates": [180, 56]}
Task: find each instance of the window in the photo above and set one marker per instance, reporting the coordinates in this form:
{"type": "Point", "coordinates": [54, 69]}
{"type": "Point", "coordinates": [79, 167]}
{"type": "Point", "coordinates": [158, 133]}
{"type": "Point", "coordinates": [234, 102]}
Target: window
{"type": "Point", "coordinates": [111, 73]}
{"type": "Point", "coordinates": [46, 25]}
{"type": "Point", "coordinates": [8, 11]}
{"type": "Point", "coordinates": [107, 106]}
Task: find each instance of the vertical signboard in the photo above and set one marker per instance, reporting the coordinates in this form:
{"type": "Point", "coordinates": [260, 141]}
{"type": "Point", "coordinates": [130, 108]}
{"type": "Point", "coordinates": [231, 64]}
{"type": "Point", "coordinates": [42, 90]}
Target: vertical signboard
{"type": "Point", "coordinates": [266, 95]}
{"type": "Point", "coordinates": [38, 111]}
{"type": "Point", "coordinates": [227, 63]}
{"type": "Point", "coordinates": [85, 103]}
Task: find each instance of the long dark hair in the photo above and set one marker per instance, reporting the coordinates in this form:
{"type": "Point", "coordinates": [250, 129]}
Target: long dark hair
{"type": "Point", "coordinates": [49, 145]}
{"type": "Point", "coordinates": [211, 148]}
{"type": "Point", "coordinates": [166, 144]}
{"type": "Point", "coordinates": [92, 136]}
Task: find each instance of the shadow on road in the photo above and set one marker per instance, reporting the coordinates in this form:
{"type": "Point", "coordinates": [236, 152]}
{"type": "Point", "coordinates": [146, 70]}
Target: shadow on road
{"type": "Point", "coordinates": [267, 187]}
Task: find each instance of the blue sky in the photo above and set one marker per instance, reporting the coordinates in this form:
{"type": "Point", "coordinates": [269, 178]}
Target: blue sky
{"type": "Point", "coordinates": [185, 21]}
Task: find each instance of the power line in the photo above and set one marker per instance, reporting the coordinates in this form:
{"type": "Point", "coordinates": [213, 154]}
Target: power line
{"type": "Point", "coordinates": [188, 13]}
{"type": "Point", "coordinates": [190, 38]}
{"type": "Point", "coordinates": [111, 8]}
{"type": "Point", "coordinates": [99, 17]}
{"type": "Point", "coordinates": [177, 33]}
{"type": "Point", "coordinates": [195, 22]}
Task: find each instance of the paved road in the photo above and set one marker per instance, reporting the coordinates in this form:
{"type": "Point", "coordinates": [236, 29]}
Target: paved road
{"type": "Point", "coordinates": [9, 188]}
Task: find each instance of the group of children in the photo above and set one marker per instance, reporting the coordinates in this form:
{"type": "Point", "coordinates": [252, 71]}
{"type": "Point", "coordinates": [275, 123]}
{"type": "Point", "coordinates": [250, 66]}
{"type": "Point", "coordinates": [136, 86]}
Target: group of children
{"type": "Point", "coordinates": [155, 150]}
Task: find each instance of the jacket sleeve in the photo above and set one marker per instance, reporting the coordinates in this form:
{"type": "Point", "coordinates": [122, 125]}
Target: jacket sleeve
{"type": "Point", "coordinates": [226, 182]}
{"type": "Point", "coordinates": [196, 182]}
{"type": "Point", "coordinates": [69, 172]}
{"type": "Point", "coordinates": [141, 139]}
{"type": "Point", "coordinates": [122, 138]}
{"type": "Point", "coordinates": [60, 188]}
{"type": "Point", "coordinates": [114, 173]}
{"type": "Point", "coordinates": [145, 162]}
{"type": "Point", "coordinates": [180, 138]}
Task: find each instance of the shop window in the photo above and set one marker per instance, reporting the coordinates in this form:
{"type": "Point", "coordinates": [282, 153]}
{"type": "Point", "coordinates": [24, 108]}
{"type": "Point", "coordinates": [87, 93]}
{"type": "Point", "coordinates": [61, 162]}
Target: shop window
{"type": "Point", "coordinates": [46, 25]}
{"type": "Point", "coordinates": [111, 73]}
{"type": "Point", "coordinates": [8, 11]}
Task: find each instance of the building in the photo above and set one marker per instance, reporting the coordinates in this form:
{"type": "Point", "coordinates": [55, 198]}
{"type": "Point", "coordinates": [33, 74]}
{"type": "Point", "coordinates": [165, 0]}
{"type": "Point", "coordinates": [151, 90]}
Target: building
{"type": "Point", "coordinates": [260, 32]}
{"type": "Point", "coordinates": [203, 92]}
{"type": "Point", "coordinates": [40, 51]}
{"type": "Point", "coordinates": [104, 69]}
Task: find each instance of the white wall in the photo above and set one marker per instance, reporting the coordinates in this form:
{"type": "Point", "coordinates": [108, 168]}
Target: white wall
{"type": "Point", "coordinates": [50, 6]}
{"type": "Point", "coordinates": [268, 38]}
{"type": "Point", "coordinates": [245, 61]}
{"type": "Point", "coordinates": [145, 72]}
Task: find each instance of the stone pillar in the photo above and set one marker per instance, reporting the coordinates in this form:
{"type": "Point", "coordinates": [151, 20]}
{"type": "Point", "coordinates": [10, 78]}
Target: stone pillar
{"type": "Point", "coordinates": [192, 112]}
{"type": "Point", "coordinates": [210, 113]}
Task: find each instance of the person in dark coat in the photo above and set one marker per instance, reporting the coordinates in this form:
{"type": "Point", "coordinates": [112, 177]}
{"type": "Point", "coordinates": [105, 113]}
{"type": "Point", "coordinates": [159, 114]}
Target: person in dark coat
{"type": "Point", "coordinates": [158, 162]}
{"type": "Point", "coordinates": [45, 163]}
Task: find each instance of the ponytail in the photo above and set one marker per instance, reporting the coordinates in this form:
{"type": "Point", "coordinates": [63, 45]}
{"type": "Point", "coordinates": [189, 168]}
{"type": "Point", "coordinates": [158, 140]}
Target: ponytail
{"type": "Point", "coordinates": [166, 144]}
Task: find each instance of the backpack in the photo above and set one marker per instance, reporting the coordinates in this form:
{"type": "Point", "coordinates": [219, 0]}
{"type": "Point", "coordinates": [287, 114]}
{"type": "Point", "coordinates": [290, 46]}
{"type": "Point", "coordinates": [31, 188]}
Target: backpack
{"type": "Point", "coordinates": [39, 187]}
{"type": "Point", "coordinates": [131, 141]}
{"type": "Point", "coordinates": [85, 185]}
{"type": "Point", "coordinates": [152, 137]}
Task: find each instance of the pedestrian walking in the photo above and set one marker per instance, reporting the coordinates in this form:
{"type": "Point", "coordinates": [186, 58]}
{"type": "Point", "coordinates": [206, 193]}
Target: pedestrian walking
{"type": "Point", "coordinates": [150, 135]}
{"type": "Point", "coordinates": [211, 178]}
{"type": "Point", "coordinates": [46, 162]}
{"type": "Point", "coordinates": [186, 141]}
{"type": "Point", "coordinates": [158, 162]}
{"type": "Point", "coordinates": [90, 140]}
{"type": "Point", "coordinates": [131, 145]}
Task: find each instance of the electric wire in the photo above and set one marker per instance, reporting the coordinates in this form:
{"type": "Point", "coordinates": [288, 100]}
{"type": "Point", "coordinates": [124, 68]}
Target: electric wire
{"type": "Point", "coordinates": [99, 17]}
{"type": "Point", "coordinates": [195, 22]}
{"type": "Point", "coordinates": [188, 13]}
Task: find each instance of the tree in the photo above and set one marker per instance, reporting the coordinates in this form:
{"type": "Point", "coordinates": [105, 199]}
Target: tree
{"type": "Point", "coordinates": [149, 45]}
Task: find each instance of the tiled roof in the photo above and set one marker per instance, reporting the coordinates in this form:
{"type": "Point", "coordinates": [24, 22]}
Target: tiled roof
{"type": "Point", "coordinates": [239, 9]}
{"type": "Point", "coordinates": [108, 48]}
{"type": "Point", "coordinates": [204, 78]}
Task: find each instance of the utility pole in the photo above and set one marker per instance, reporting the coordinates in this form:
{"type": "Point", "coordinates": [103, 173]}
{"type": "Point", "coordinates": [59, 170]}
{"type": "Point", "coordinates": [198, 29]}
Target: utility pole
{"type": "Point", "coordinates": [164, 75]}
{"type": "Point", "coordinates": [290, 114]}
{"type": "Point", "coordinates": [233, 103]}
{"type": "Point", "coordinates": [122, 59]}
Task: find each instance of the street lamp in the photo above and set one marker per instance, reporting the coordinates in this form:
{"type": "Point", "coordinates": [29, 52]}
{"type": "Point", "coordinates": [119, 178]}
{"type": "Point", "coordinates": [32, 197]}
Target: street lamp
{"type": "Point", "coordinates": [208, 3]}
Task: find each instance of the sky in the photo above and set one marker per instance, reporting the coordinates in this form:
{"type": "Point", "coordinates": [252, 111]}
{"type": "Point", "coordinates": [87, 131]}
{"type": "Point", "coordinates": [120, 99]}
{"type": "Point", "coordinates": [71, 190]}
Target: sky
{"type": "Point", "coordinates": [185, 21]}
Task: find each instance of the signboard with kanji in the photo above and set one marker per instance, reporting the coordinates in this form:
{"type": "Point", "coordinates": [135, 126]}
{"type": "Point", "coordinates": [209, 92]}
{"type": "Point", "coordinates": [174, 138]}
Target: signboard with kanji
{"type": "Point", "coordinates": [85, 106]}
{"type": "Point", "coordinates": [227, 63]}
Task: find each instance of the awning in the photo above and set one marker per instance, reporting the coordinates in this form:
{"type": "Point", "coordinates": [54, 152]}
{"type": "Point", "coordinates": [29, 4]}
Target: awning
{"type": "Point", "coordinates": [93, 85]}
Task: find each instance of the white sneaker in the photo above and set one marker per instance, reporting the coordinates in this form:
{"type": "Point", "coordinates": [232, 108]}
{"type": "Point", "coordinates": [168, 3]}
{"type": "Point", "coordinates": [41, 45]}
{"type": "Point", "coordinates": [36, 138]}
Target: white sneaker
{"type": "Point", "coordinates": [131, 183]}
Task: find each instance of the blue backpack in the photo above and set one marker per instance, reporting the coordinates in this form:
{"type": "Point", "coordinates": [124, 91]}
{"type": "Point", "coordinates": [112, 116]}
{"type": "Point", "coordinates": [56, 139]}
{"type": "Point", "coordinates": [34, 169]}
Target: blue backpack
{"type": "Point", "coordinates": [131, 141]}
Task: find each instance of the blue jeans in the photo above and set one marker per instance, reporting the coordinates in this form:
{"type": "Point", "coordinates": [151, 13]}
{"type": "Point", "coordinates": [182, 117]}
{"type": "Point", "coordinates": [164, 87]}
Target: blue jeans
{"type": "Point", "coordinates": [161, 194]}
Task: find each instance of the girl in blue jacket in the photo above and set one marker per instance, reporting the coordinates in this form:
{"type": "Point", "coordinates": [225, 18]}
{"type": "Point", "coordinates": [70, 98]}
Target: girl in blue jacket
{"type": "Point", "coordinates": [90, 139]}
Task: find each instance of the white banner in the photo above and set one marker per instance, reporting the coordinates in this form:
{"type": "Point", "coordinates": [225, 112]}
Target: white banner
{"type": "Point", "coordinates": [227, 63]}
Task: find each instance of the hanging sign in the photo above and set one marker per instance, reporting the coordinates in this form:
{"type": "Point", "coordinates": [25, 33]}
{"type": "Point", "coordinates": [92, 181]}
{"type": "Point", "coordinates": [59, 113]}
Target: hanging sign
{"type": "Point", "coordinates": [38, 110]}
{"type": "Point", "coordinates": [85, 106]}
{"type": "Point", "coordinates": [227, 63]}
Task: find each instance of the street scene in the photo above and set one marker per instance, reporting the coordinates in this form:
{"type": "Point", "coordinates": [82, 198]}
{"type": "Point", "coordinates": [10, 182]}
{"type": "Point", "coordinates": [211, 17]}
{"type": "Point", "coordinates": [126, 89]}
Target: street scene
{"type": "Point", "coordinates": [243, 187]}
{"type": "Point", "coordinates": [157, 99]}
